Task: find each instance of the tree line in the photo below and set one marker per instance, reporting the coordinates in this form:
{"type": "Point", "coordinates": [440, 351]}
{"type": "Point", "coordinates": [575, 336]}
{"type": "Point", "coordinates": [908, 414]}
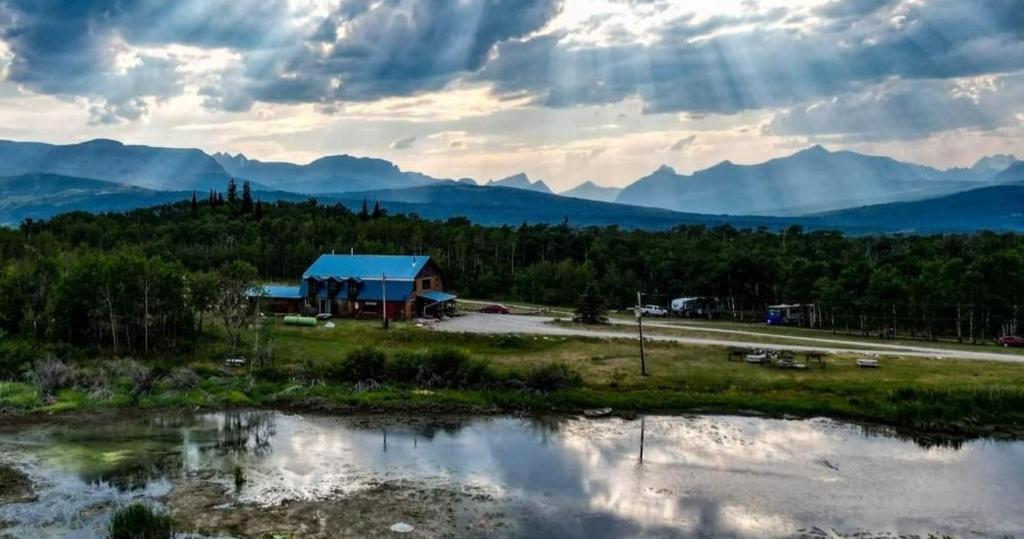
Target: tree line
{"type": "Point", "coordinates": [146, 279]}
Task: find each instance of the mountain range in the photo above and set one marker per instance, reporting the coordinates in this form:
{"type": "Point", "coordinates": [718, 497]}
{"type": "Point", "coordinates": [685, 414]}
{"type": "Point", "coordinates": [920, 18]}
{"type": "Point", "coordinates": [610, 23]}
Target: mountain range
{"type": "Point", "coordinates": [814, 187]}
{"type": "Point", "coordinates": [809, 181]}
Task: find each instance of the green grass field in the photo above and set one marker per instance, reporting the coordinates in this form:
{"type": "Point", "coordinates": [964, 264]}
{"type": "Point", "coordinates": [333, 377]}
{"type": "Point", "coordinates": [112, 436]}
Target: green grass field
{"type": "Point", "coordinates": [945, 395]}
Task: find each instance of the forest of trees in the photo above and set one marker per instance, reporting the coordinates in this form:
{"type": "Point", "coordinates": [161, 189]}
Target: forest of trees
{"type": "Point", "coordinates": [133, 282]}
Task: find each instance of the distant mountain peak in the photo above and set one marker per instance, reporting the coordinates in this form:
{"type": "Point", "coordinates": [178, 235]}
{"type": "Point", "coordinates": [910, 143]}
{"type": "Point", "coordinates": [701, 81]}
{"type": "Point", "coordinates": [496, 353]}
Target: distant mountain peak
{"type": "Point", "coordinates": [995, 163]}
{"type": "Point", "coordinates": [589, 190]}
{"type": "Point", "coordinates": [521, 181]}
{"type": "Point", "coordinates": [665, 168]}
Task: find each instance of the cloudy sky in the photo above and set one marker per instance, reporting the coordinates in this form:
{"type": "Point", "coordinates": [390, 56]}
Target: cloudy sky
{"type": "Point", "coordinates": [565, 90]}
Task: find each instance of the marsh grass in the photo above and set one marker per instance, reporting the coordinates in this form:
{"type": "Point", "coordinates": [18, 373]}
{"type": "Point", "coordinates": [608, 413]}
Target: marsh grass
{"type": "Point", "coordinates": [138, 521]}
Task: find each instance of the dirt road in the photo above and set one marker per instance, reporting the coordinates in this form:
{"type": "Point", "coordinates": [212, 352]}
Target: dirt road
{"type": "Point", "coordinates": [541, 325]}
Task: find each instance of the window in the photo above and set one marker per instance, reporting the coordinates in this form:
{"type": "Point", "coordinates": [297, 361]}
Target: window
{"type": "Point", "coordinates": [425, 284]}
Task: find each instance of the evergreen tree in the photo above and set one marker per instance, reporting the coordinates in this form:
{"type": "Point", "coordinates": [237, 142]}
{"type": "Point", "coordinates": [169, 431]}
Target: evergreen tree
{"type": "Point", "coordinates": [258, 210]}
{"type": "Point", "coordinates": [195, 204]}
{"type": "Point", "coordinates": [364, 213]}
{"type": "Point", "coordinates": [220, 199]}
{"type": "Point", "coordinates": [232, 191]}
{"type": "Point", "coordinates": [591, 308]}
{"type": "Point", "coordinates": [376, 210]}
{"type": "Point", "coordinates": [246, 197]}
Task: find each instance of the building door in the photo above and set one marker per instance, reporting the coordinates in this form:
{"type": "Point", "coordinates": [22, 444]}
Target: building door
{"type": "Point", "coordinates": [325, 306]}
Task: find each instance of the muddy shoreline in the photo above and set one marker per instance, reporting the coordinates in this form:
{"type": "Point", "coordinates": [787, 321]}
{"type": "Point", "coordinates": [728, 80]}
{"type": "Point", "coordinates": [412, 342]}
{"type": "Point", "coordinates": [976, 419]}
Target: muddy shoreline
{"type": "Point", "coordinates": [938, 435]}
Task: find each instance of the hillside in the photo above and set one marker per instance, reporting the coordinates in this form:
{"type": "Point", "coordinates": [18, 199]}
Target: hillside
{"type": "Point", "coordinates": [513, 206]}
{"type": "Point", "coordinates": [40, 196]}
{"type": "Point", "coordinates": [999, 207]}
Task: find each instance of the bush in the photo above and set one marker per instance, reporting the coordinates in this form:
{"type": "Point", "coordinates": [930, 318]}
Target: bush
{"type": "Point", "coordinates": [440, 367]}
{"type": "Point", "coordinates": [137, 521]}
{"type": "Point", "coordinates": [359, 365]}
{"type": "Point", "coordinates": [183, 379]}
{"type": "Point", "coordinates": [552, 377]}
{"type": "Point", "coordinates": [510, 340]}
{"type": "Point", "coordinates": [404, 367]}
{"type": "Point", "coordinates": [49, 374]}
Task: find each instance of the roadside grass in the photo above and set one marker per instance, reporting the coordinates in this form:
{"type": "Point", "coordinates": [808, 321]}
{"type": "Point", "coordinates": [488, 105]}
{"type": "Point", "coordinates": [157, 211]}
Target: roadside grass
{"type": "Point", "coordinates": [781, 332]}
{"type": "Point", "coordinates": [947, 395]}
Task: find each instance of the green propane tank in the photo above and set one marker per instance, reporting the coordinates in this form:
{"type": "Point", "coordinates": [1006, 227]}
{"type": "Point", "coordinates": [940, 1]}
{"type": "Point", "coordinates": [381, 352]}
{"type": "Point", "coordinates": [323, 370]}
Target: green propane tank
{"type": "Point", "coordinates": [299, 321]}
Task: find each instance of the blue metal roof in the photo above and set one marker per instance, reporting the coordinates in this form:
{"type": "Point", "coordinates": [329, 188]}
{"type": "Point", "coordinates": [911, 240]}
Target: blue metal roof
{"type": "Point", "coordinates": [437, 295]}
{"type": "Point", "coordinates": [396, 291]}
{"type": "Point", "coordinates": [274, 292]}
{"type": "Point", "coordinates": [366, 267]}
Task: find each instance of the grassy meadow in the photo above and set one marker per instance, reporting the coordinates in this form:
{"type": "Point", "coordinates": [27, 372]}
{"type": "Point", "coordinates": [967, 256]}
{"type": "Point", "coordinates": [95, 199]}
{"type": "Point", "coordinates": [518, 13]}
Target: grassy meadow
{"type": "Point", "coordinates": [504, 373]}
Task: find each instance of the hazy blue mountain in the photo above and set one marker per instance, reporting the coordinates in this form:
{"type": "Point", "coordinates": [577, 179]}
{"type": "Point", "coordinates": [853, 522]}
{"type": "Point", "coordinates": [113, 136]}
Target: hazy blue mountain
{"type": "Point", "coordinates": [808, 181]}
{"type": "Point", "coordinates": [512, 206]}
{"type": "Point", "coordinates": [109, 160]}
{"type": "Point", "coordinates": [333, 174]}
{"type": "Point", "coordinates": [521, 181]}
{"type": "Point", "coordinates": [1015, 173]}
{"type": "Point", "coordinates": [591, 191]}
{"type": "Point", "coordinates": [998, 207]}
{"type": "Point", "coordinates": [993, 164]}
{"type": "Point", "coordinates": [40, 196]}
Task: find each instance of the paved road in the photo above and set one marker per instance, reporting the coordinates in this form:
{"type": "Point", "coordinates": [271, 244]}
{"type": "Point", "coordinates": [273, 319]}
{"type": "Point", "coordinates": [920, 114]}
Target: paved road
{"type": "Point", "coordinates": [539, 325]}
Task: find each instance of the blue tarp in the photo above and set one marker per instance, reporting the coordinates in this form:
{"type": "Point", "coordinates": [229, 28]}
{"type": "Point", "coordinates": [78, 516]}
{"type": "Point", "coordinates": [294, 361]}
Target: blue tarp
{"type": "Point", "coordinates": [437, 296]}
{"type": "Point", "coordinates": [366, 267]}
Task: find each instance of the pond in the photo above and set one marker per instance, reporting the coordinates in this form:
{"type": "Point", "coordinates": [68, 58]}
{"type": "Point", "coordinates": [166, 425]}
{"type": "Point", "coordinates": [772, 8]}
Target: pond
{"type": "Point", "coordinates": [259, 473]}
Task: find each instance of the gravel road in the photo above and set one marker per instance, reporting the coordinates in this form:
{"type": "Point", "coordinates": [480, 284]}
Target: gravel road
{"type": "Point", "coordinates": [540, 325]}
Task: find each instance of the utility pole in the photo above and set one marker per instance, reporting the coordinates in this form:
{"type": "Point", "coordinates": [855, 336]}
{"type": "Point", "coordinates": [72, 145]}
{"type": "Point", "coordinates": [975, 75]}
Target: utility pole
{"type": "Point", "coordinates": [384, 301]}
{"type": "Point", "coordinates": [640, 328]}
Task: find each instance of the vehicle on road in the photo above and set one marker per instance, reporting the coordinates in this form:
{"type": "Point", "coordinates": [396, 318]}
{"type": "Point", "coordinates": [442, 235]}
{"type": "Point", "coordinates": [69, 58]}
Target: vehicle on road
{"type": "Point", "coordinates": [495, 308]}
{"type": "Point", "coordinates": [1007, 341]}
{"type": "Point", "coordinates": [653, 310]}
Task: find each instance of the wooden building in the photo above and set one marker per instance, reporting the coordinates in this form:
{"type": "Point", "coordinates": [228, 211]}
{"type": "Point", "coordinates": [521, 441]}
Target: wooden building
{"type": "Point", "coordinates": [364, 285]}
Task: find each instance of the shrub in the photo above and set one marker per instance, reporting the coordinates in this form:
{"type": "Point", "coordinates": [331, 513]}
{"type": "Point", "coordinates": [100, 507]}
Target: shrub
{"type": "Point", "coordinates": [439, 367]}
{"type": "Point", "coordinates": [137, 521]}
{"type": "Point", "coordinates": [510, 340]}
{"type": "Point", "coordinates": [49, 374]}
{"type": "Point", "coordinates": [404, 367]}
{"type": "Point", "coordinates": [552, 377]}
{"type": "Point", "coordinates": [442, 365]}
{"type": "Point", "coordinates": [183, 379]}
{"type": "Point", "coordinates": [361, 364]}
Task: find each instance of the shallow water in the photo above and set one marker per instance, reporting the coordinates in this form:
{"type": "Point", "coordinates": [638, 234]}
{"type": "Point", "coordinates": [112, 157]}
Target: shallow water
{"type": "Point", "coordinates": [692, 476]}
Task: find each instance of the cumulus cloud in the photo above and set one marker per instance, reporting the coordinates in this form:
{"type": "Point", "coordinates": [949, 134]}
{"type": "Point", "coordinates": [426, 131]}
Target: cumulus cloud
{"type": "Point", "coordinates": [403, 143]}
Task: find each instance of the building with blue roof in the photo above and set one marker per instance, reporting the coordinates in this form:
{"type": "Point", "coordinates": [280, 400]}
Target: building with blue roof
{"type": "Point", "coordinates": [364, 285]}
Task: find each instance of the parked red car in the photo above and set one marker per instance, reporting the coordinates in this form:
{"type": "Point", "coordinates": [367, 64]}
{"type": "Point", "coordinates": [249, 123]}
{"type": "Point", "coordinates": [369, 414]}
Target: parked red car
{"type": "Point", "coordinates": [1010, 340]}
{"type": "Point", "coordinates": [494, 308]}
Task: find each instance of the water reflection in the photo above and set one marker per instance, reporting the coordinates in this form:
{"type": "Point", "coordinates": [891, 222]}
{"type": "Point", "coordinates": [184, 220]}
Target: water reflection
{"type": "Point", "coordinates": [655, 476]}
